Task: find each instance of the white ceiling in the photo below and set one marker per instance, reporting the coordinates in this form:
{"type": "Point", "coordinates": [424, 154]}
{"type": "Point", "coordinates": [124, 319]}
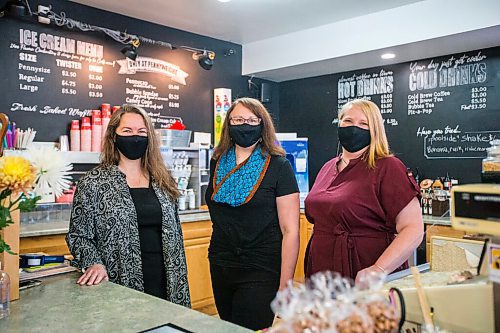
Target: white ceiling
{"type": "Point", "coordinates": [244, 21]}
{"type": "Point", "coordinates": [424, 28]}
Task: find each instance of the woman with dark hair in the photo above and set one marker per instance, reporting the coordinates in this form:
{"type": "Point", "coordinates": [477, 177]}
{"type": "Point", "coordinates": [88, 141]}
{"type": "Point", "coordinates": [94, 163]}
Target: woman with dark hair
{"type": "Point", "coordinates": [125, 225]}
{"type": "Point", "coordinates": [254, 205]}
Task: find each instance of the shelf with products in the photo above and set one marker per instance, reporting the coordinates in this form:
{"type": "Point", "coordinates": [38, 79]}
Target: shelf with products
{"type": "Point", "coordinates": [190, 169]}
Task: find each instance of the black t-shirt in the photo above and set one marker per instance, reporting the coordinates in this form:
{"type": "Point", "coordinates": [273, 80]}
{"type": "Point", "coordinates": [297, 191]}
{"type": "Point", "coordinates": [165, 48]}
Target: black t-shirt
{"type": "Point", "coordinates": [149, 221]}
{"type": "Point", "coordinates": [249, 236]}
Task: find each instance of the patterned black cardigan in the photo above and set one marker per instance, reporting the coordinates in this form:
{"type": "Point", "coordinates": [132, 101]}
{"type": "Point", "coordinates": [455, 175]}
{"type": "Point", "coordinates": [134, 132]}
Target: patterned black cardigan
{"type": "Point", "coordinates": [103, 230]}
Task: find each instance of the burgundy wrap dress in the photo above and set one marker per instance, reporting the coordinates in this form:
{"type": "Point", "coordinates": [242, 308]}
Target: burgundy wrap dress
{"type": "Point", "coordinates": [354, 214]}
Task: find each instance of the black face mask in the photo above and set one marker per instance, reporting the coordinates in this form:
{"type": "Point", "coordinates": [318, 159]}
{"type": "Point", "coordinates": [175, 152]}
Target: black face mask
{"type": "Point", "coordinates": [354, 138]}
{"type": "Point", "coordinates": [245, 135]}
{"type": "Point", "coordinates": [132, 147]}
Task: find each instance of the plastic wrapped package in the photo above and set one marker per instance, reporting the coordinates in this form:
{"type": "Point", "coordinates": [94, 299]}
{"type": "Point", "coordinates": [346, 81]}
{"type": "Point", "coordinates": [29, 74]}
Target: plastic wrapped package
{"type": "Point", "coordinates": [325, 304]}
{"type": "Point", "coordinates": [384, 315]}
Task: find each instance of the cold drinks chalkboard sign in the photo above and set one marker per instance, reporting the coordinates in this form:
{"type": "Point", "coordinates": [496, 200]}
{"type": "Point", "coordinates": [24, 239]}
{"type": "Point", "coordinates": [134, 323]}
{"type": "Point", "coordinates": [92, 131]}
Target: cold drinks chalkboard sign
{"type": "Point", "coordinates": [440, 114]}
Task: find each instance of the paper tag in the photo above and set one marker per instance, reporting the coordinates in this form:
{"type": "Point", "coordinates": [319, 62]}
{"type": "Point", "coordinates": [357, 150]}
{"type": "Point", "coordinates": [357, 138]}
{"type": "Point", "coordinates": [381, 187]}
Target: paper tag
{"type": "Point", "coordinates": [494, 262]}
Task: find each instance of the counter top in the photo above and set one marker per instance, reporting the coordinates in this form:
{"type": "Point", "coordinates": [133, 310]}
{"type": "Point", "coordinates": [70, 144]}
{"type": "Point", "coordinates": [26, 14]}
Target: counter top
{"type": "Point", "coordinates": [60, 305]}
{"type": "Point", "coordinates": [61, 227]}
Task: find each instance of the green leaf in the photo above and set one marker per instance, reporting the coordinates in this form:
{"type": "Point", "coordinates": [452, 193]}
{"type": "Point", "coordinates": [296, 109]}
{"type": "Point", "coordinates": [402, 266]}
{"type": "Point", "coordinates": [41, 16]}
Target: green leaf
{"type": "Point", "coordinates": [28, 204]}
{"type": "Point", "coordinates": [4, 247]}
{"type": "Point", "coordinates": [5, 193]}
{"type": "Point", "coordinates": [5, 218]}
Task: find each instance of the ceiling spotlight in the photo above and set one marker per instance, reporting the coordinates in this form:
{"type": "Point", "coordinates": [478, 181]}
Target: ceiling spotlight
{"type": "Point", "coordinates": [229, 52]}
{"type": "Point", "coordinates": [205, 59]}
{"type": "Point", "coordinates": [130, 51]}
{"type": "Point", "coordinates": [15, 8]}
{"type": "Point", "coordinates": [224, 0]}
{"type": "Point", "coordinates": [388, 56]}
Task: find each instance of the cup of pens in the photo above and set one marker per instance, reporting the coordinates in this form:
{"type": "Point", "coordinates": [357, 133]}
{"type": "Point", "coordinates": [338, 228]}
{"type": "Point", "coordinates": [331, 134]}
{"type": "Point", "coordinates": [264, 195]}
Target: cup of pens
{"type": "Point", "coordinates": [16, 138]}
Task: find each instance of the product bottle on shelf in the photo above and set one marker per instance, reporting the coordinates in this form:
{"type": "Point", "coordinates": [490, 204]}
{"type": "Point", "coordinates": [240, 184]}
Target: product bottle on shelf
{"type": "Point", "coordinates": [85, 135]}
{"type": "Point", "coordinates": [191, 199]}
{"type": "Point", "coordinates": [96, 130]}
{"type": "Point", "coordinates": [182, 200]}
{"type": "Point", "coordinates": [74, 135]}
{"type": "Point", "coordinates": [429, 201]}
{"type": "Point", "coordinates": [447, 185]}
{"type": "Point", "coordinates": [106, 116]}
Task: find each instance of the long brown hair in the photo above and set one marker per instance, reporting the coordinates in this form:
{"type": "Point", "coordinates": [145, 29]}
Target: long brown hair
{"type": "Point", "coordinates": [151, 162]}
{"type": "Point", "coordinates": [269, 143]}
{"type": "Point", "coordinates": [379, 146]}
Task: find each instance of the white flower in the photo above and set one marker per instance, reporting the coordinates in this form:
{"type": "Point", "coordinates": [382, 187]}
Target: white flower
{"type": "Point", "coordinates": [52, 171]}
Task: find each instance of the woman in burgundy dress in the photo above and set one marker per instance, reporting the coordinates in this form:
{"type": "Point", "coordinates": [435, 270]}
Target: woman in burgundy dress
{"type": "Point", "coordinates": [364, 207]}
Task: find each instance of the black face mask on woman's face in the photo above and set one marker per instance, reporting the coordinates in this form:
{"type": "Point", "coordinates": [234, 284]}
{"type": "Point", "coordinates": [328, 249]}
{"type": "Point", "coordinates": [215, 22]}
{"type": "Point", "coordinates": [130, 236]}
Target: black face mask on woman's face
{"type": "Point", "coordinates": [132, 147]}
{"type": "Point", "coordinates": [354, 138]}
{"type": "Point", "coordinates": [245, 135]}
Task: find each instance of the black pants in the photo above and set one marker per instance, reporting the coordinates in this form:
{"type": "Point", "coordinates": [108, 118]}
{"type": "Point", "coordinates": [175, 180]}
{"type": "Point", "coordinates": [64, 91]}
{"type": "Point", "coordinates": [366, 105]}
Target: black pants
{"type": "Point", "coordinates": [243, 296]}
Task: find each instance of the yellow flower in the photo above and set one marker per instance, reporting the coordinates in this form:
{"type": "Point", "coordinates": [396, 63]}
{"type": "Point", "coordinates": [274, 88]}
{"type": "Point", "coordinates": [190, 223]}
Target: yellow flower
{"type": "Point", "coordinates": [16, 173]}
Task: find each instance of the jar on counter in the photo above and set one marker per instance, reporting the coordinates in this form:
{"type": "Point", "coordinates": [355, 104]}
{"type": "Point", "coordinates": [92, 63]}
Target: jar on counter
{"type": "Point", "coordinates": [491, 164]}
{"type": "Point", "coordinates": [440, 203]}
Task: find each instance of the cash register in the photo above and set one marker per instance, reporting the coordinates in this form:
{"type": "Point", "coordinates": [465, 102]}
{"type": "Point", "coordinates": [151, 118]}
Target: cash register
{"type": "Point", "coordinates": [476, 208]}
{"type": "Point", "coordinates": [471, 306]}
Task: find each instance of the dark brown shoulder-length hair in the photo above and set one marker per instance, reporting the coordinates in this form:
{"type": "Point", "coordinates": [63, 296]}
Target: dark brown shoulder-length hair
{"type": "Point", "coordinates": [152, 161]}
{"type": "Point", "coordinates": [269, 143]}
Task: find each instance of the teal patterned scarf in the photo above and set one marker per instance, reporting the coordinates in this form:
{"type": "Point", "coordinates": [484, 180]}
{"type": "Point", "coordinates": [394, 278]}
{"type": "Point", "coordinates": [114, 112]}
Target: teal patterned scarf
{"type": "Point", "coordinates": [234, 184]}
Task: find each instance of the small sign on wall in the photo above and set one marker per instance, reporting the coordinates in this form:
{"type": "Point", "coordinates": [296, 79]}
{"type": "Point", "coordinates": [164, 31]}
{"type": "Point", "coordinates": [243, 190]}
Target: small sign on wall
{"type": "Point", "coordinates": [222, 102]}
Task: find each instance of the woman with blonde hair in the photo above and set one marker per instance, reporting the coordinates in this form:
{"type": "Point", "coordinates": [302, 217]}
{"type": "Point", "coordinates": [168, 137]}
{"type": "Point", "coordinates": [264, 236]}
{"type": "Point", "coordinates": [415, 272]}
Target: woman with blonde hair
{"type": "Point", "coordinates": [254, 205]}
{"type": "Point", "coordinates": [364, 206]}
{"type": "Point", "coordinates": [125, 225]}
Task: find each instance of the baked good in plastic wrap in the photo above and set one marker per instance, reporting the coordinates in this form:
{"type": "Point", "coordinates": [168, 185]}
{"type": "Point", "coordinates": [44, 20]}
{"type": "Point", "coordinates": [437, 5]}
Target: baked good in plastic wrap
{"type": "Point", "coordinates": [384, 315]}
{"type": "Point", "coordinates": [325, 303]}
{"type": "Point", "coordinates": [329, 303]}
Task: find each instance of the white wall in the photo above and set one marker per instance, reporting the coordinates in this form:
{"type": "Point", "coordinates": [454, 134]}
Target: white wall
{"type": "Point", "coordinates": [412, 23]}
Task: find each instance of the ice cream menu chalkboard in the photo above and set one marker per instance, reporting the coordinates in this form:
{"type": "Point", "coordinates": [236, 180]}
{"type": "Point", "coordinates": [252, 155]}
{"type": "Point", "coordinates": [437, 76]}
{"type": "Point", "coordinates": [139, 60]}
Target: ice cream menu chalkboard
{"type": "Point", "coordinates": [440, 114]}
{"type": "Point", "coordinates": [52, 75]}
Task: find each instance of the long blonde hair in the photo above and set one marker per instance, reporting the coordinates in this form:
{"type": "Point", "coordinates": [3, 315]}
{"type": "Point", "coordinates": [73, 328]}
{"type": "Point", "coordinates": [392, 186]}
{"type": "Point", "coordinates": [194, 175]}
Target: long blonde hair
{"type": "Point", "coordinates": [269, 143]}
{"type": "Point", "coordinates": [379, 146]}
{"type": "Point", "coordinates": [151, 162]}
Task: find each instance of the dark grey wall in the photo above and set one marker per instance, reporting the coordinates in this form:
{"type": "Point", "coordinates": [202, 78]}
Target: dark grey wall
{"type": "Point", "coordinates": [196, 98]}
{"type": "Point", "coordinates": [469, 86]}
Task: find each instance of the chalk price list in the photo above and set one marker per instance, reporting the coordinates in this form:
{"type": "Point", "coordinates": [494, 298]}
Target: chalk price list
{"type": "Point", "coordinates": [173, 97]}
{"type": "Point", "coordinates": [68, 83]}
{"type": "Point", "coordinates": [478, 99]}
{"type": "Point", "coordinates": [95, 85]}
{"type": "Point", "coordinates": [386, 109]}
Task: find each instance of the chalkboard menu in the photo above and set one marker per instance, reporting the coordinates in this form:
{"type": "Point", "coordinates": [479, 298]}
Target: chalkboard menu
{"type": "Point", "coordinates": [440, 114]}
{"type": "Point", "coordinates": [51, 75]}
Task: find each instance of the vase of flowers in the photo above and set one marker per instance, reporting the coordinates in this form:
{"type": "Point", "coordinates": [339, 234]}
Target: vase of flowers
{"type": "Point", "coordinates": [22, 179]}
{"type": "Point", "coordinates": [17, 177]}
